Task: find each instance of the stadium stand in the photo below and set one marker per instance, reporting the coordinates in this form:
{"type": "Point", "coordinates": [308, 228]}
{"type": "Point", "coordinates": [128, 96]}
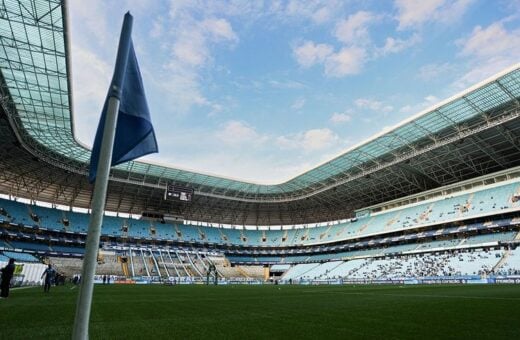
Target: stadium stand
{"type": "Point", "coordinates": [482, 202]}
{"type": "Point", "coordinates": [406, 266]}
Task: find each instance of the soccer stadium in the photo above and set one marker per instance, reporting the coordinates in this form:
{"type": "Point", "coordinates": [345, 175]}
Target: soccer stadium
{"type": "Point", "coordinates": [418, 225]}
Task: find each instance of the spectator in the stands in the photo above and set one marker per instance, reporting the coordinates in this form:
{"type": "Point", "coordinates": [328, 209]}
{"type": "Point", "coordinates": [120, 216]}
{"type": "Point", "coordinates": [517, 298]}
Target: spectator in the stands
{"type": "Point", "coordinates": [7, 275]}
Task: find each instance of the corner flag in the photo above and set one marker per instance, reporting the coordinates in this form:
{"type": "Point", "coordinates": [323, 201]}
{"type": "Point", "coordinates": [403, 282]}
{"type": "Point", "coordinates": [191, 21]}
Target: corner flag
{"type": "Point", "coordinates": [124, 133]}
{"type": "Point", "coordinates": [135, 136]}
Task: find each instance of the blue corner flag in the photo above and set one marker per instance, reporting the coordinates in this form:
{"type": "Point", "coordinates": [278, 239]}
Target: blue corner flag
{"type": "Point", "coordinates": [125, 132]}
{"type": "Point", "coordinates": [134, 136]}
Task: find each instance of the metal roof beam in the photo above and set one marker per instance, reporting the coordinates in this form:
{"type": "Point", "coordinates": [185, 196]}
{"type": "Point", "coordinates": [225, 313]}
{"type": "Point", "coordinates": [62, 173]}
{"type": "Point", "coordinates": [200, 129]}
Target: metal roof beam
{"type": "Point", "coordinates": [428, 181]}
{"type": "Point", "coordinates": [489, 151]}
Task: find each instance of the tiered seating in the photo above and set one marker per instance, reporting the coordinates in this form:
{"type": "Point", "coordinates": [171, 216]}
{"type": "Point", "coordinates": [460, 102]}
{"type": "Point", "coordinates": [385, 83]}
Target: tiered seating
{"type": "Point", "coordinates": [252, 272]}
{"type": "Point", "coordinates": [408, 266]}
{"type": "Point", "coordinates": [367, 252]}
{"type": "Point", "coordinates": [30, 246]}
{"type": "Point", "coordinates": [50, 218]}
{"type": "Point", "coordinates": [78, 222]}
{"type": "Point", "coordinates": [493, 237]}
{"type": "Point", "coordinates": [135, 228]}
{"type": "Point", "coordinates": [322, 270]}
{"type": "Point", "coordinates": [474, 263]}
{"type": "Point", "coordinates": [109, 266]}
{"type": "Point", "coordinates": [212, 235]}
{"type": "Point", "coordinates": [402, 248]}
{"type": "Point", "coordinates": [17, 211]}
{"type": "Point", "coordinates": [112, 225]}
{"type": "Point", "coordinates": [4, 244]}
{"type": "Point", "coordinates": [20, 257]}
{"type": "Point", "coordinates": [424, 246]}
{"type": "Point", "coordinates": [511, 265]}
{"type": "Point", "coordinates": [299, 271]}
{"type": "Point", "coordinates": [344, 269]}
{"type": "Point", "coordinates": [67, 249]}
{"type": "Point", "coordinates": [438, 244]}
{"type": "Point", "coordinates": [280, 267]}
{"type": "Point", "coordinates": [190, 233]}
{"type": "Point", "coordinates": [486, 200]}
{"type": "Point", "coordinates": [67, 265]}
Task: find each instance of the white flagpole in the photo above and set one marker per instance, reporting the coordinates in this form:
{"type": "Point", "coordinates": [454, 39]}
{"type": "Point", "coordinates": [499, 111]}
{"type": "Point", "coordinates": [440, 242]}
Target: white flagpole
{"type": "Point", "coordinates": [81, 322]}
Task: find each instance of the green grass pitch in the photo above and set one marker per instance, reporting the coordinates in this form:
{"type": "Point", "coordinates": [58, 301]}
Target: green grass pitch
{"type": "Point", "coordinates": [269, 312]}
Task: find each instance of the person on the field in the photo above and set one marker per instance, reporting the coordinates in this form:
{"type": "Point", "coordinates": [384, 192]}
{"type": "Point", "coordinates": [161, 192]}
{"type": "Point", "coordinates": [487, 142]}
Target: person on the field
{"type": "Point", "coordinates": [49, 276]}
{"type": "Point", "coordinates": [7, 275]}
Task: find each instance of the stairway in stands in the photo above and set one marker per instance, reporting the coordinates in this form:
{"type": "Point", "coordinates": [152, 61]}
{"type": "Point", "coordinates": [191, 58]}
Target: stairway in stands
{"type": "Point", "coordinates": [501, 262]}
{"type": "Point", "coordinates": [124, 266]}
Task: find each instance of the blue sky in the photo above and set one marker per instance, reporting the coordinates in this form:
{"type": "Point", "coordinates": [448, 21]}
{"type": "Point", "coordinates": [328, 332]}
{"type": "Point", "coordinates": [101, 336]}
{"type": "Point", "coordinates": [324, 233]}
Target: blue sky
{"type": "Point", "coordinates": [264, 90]}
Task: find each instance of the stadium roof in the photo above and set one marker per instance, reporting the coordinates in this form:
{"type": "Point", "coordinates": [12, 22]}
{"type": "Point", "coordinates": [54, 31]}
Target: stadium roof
{"type": "Point", "coordinates": [471, 134]}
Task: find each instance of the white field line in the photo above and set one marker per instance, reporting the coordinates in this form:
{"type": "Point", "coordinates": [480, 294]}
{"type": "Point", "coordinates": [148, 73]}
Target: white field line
{"type": "Point", "coordinates": [24, 287]}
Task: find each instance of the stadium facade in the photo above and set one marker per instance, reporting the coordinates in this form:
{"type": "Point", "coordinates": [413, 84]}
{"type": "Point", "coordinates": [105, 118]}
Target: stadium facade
{"type": "Point", "coordinates": [445, 179]}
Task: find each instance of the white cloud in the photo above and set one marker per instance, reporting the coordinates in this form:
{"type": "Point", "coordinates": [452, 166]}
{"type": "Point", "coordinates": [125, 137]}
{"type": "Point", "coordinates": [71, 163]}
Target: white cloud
{"type": "Point", "coordinates": [191, 49]}
{"type": "Point", "coordinates": [338, 118]}
{"type": "Point", "coordinates": [219, 29]}
{"type": "Point", "coordinates": [488, 50]}
{"type": "Point", "coordinates": [322, 15]}
{"type": "Point", "coordinates": [180, 9]}
{"type": "Point", "coordinates": [192, 43]}
{"type": "Point", "coordinates": [414, 13]}
{"type": "Point", "coordinates": [157, 28]}
{"type": "Point", "coordinates": [431, 99]}
{"type": "Point", "coordinates": [406, 109]}
{"type": "Point", "coordinates": [395, 45]}
{"type": "Point", "coordinates": [349, 60]}
{"type": "Point", "coordinates": [428, 101]}
{"type": "Point", "coordinates": [373, 105]}
{"type": "Point", "coordinates": [453, 11]}
{"type": "Point", "coordinates": [215, 109]}
{"type": "Point", "coordinates": [433, 71]}
{"type": "Point", "coordinates": [354, 30]}
{"type": "Point", "coordinates": [355, 49]}
{"type": "Point", "coordinates": [286, 84]}
{"type": "Point", "coordinates": [386, 128]}
{"type": "Point", "coordinates": [90, 83]}
{"type": "Point", "coordinates": [180, 86]}
{"type": "Point", "coordinates": [92, 16]}
{"type": "Point", "coordinates": [310, 141]}
{"type": "Point", "coordinates": [298, 104]}
{"type": "Point", "coordinates": [309, 53]}
{"type": "Point", "coordinates": [491, 41]}
{"type": "Point", "coordinates": [237, 133]}
{"type": "Point", "coordinates": [318, 139]}
{"type": "Point", "coordinates": [318, 11]}
{"type": "Point", "coordinates": [93, 75]}
{"type": "Point", "coordinates": [249, 151]}
{"type": "Point", "coordinates": [190, 32]}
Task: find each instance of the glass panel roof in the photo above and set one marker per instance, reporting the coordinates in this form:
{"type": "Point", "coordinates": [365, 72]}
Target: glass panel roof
{"type": "Point", "coordinates": [33, 62]}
